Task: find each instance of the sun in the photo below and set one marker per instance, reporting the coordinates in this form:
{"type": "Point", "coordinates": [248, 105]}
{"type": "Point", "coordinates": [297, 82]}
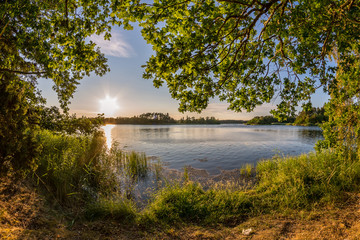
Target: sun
{"type": "Point", "coordinates": [108, 106]}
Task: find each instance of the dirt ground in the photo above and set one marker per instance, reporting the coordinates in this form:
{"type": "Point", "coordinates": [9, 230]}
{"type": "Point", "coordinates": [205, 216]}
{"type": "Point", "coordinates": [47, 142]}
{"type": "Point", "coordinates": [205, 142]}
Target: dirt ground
{"type": "Point", "coordinates": [25, 215]}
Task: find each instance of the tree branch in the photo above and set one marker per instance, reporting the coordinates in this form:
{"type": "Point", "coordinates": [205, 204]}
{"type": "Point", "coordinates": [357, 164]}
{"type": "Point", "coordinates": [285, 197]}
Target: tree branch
{"type": "Point", "coordinates": [3, 30]}
{"type": "Point", "coordinates": [237, 2]}
{"type": "Point", "coordinates": [19, 72]}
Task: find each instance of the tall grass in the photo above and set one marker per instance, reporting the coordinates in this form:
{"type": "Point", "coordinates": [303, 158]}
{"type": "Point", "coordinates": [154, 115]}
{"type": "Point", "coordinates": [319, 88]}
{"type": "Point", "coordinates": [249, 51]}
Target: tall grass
{"type": "Point", "coordinates": [307, 180]}
{"type": "Point", "coordinates": [117, 208]}
{"type": "Point", "coordinates": [283, 183]}
{"type": "Point", "coordinates": [135, 164]}
{"type": "Point", "coordinates": [80, 171]}
{"type": "Point", "coordinates": [69, 165]}
{"type": "Point", "coordinates": [191, 203]}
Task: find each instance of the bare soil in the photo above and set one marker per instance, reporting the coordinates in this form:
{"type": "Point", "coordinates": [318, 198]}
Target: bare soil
{"type": "Point", "coordinates": [24, 214]}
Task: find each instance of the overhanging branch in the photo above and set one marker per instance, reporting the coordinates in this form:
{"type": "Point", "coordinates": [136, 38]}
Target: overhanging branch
{"type": "Point", "coordinates": [20, 72]}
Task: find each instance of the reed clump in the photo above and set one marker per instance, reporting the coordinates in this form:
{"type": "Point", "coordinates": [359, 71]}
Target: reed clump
{"type": "Point", "coordinates": [76, 170]}
{"type": "Point", "coordinates": [135, 164]}
{"type": "Point", "coordinates": [69, 166]}
{"type": "Point", "coordinates": [247, 170]}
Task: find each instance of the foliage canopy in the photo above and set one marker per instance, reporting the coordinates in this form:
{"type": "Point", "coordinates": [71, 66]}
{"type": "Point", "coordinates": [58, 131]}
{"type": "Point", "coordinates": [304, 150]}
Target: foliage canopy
{"type": "Point", "coordinates": [48, 39]}
{"type": "Point", "coordinates": [246, 52]}
{"type": "Point", "coordinates": [249, 52]}
{"type": "Point", "coordinates": [45, 39]}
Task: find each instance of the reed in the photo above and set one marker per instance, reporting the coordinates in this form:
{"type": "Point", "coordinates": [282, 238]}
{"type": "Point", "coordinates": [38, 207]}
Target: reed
{"type": "Point", "coordinates": [136, 165]}
{"type": "Point", "coordinates": [68, 164]}
{"type": "Point", "coordinates": [247, 170]}
{"type": "Point", "coordinates": [77, 169]}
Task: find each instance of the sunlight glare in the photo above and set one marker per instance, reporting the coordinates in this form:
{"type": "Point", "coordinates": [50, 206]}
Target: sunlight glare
{"type": "Point", "coordinates": [108, 106]}
{"type": "Point", "coordinates": [107, 131]}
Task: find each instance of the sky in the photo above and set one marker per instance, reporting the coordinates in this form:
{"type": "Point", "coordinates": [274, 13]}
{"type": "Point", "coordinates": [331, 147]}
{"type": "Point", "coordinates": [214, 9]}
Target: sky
{"type": "Point", "coordinates": [130, 94]}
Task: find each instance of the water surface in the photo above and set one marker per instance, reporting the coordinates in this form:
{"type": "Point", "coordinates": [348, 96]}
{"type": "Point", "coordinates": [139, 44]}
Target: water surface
{"type": "Point", "coordinates": [213, 147]}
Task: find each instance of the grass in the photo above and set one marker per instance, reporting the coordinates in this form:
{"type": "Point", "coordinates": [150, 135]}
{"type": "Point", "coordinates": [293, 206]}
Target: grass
{"type": "Point", "coordinates": [135, 164]}
{"type": "Point", "coordinates": [304, 182]}
{"type": "Point", "coordinates": [119, 209]}
{"type": "Point", "coordinates": [79, 172]}
{"type": "Point", "coordinates": [307, 180]}
{"type": "Point", "coordinates": [246, 170]}
{"type": "Point", "coordinates": [67, 165]}
{"type": "Point", "coordinates": [190, 203]}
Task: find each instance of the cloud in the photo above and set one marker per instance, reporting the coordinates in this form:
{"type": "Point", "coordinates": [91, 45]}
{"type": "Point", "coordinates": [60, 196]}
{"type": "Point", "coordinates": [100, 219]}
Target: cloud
{"type": "Point", "coordinates": [116, 47]}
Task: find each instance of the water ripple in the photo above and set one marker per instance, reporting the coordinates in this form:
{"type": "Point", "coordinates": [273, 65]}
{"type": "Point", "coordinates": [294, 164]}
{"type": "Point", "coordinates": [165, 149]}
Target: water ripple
{"type": "Point", "coordinates": [227, 146]}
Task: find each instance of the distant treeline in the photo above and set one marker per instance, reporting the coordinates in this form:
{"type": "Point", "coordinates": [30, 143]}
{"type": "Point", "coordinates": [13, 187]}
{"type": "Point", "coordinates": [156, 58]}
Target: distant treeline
{"type": "Point", "coordinates": [232, 121]}
{"type": "Point", "coordinates": [145, 118]}
{"type": "Point", "coordinates": [193, 120]}
{"type": "Point", "coordinates": [266, 120]}
{"type": "Point", "coordinates": [160, 118]}
{"type": "Point", "coordinates": [312, 117]}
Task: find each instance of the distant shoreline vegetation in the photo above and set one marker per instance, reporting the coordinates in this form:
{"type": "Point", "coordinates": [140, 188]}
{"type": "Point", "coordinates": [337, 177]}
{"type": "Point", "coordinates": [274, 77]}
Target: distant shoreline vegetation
{"type": "Point", "coordinates": [269, 120]}
{"type": "Point", "coordinates": [311, 117]}
{"type": "Point", "coordinates": [162, 119]}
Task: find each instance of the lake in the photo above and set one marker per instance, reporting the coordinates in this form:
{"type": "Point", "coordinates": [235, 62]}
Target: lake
{"type": "Point", "coordinates": [213, 147]}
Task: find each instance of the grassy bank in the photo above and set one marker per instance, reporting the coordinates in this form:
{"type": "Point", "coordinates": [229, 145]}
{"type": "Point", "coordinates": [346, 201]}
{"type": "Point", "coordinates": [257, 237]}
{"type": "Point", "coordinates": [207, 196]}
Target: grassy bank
{"type": "Point", "coordinates": [87, 182]}
{"type": "Point", "coordinates": [77, 169]}
{"type": "Point", "coordinates": [306, 182]}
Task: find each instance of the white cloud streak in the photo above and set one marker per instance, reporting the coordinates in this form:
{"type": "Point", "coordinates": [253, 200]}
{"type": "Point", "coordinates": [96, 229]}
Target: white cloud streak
{"type": "Point", "coordinates": [116, 47]}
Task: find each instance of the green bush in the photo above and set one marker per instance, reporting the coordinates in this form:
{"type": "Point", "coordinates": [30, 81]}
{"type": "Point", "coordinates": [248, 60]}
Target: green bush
{"type": "Point", "coordinates": [18, 118]}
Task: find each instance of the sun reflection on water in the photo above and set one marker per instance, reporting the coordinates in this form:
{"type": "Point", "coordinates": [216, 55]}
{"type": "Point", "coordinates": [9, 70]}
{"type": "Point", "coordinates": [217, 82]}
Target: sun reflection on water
{"type": "Point", "coordinates": [107, 130]}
